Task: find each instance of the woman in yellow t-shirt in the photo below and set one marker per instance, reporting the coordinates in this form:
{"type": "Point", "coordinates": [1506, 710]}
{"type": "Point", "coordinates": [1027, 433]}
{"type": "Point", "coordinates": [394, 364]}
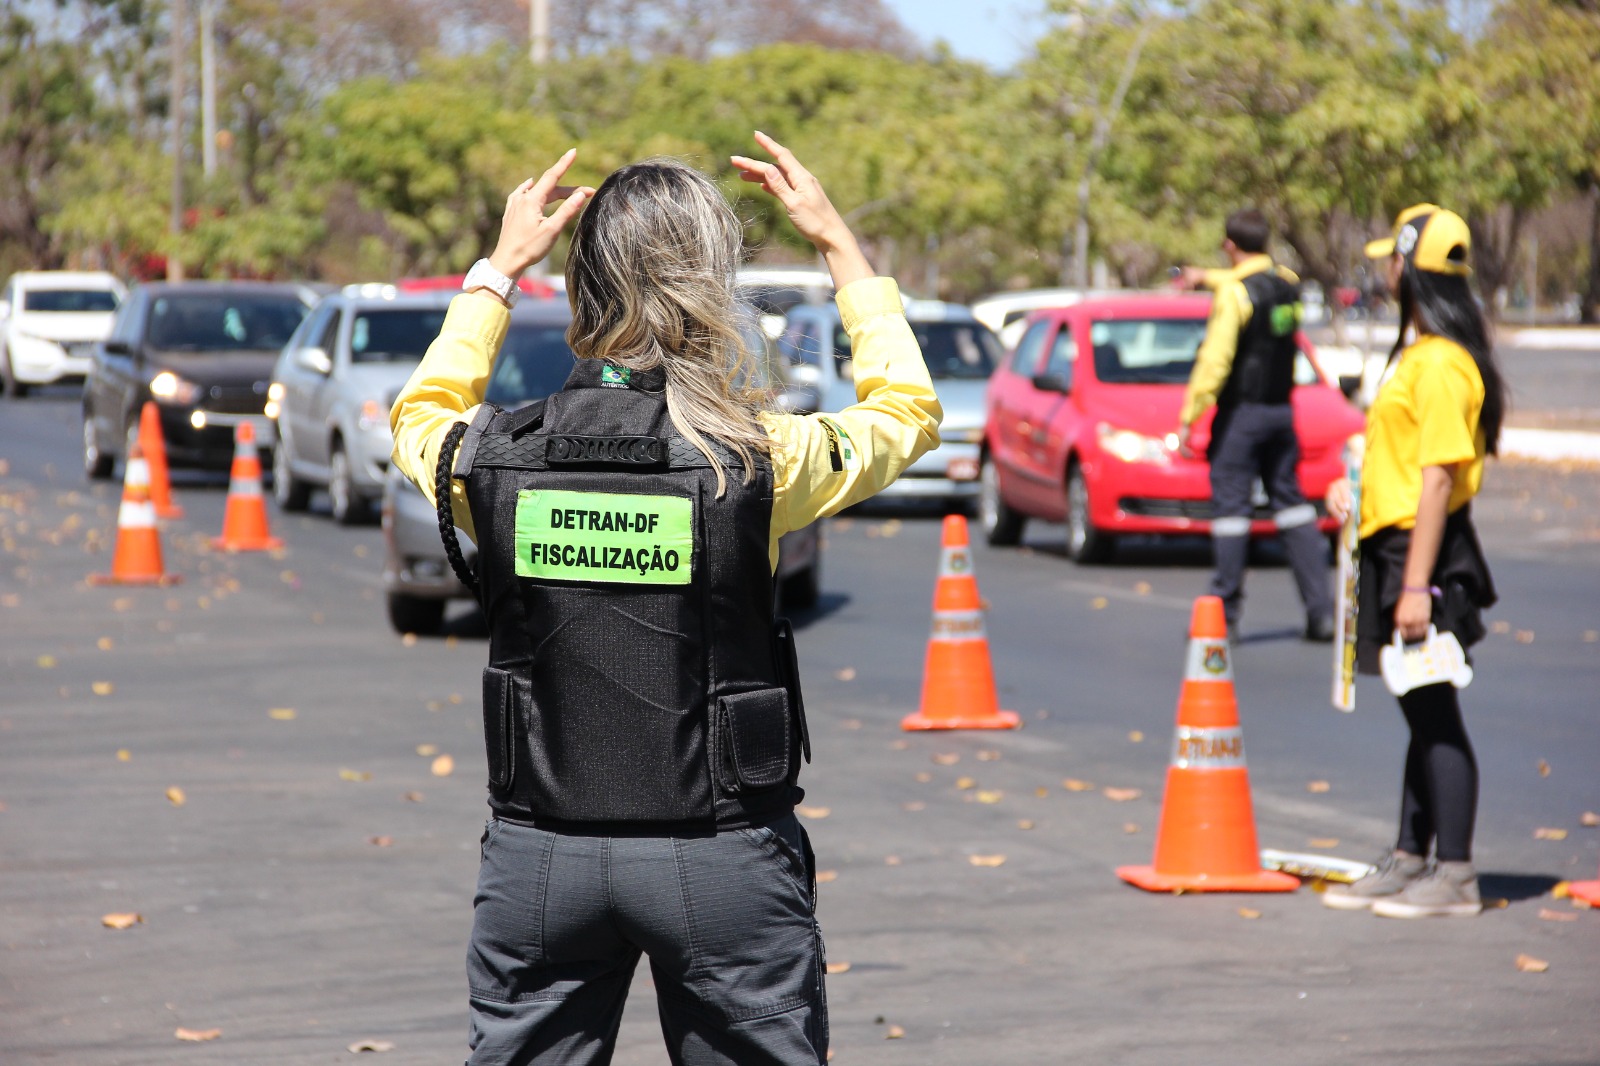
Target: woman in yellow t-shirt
{"type": "Point", "coordinates": [1436, 416]}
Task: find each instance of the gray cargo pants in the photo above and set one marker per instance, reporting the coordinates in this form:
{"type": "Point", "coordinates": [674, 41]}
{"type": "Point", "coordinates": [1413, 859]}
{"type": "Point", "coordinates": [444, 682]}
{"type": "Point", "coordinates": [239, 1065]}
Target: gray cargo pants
{"type": "Point", "coordinates": [728, 920]}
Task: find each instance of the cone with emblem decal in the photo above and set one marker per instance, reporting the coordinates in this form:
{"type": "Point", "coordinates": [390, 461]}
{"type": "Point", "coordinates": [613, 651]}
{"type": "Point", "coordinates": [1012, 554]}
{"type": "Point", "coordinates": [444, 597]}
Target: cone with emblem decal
{"type": "Point", "coordinates": [244, 523]}
{"type": "Point", "coordinates": [136, 560]}
{"type": "Point", "coordinates": [1207, 839]}
{"type": "Point", "coordinates": [958, 679]}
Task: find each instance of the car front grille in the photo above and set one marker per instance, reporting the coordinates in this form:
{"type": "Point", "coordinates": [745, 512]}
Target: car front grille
{"type": "Point", "coordinates": [1198, 510]}
{"type": "Point", "coordinates": [235, 399]}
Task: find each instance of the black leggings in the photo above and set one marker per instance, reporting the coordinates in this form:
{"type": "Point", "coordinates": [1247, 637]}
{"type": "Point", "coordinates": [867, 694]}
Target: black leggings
{"type": "Point", "coordinates": [1439, 798]}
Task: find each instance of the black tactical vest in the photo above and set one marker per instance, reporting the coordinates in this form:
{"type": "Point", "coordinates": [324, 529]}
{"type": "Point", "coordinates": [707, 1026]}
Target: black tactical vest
{"type": "Point", "coordinates": [636, 676]}
{"type": "Point", "coordinates": [1263, 364]}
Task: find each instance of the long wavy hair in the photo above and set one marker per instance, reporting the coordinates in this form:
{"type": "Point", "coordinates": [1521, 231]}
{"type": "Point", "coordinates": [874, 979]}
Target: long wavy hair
{"type": "Point", "coordinates": [1443, 305]}
{"type": "Point", "coordinates": [650, 279]}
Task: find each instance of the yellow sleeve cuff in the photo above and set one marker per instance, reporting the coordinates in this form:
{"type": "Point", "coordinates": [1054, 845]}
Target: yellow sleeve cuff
{"type": "Point", "coordinates": [868, 298]}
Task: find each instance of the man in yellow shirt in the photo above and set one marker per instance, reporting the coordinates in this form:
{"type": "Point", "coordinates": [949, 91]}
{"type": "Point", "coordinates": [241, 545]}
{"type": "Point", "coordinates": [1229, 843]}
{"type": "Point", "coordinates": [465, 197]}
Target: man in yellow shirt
{"type": "Point", "coordinates": [1245, 367]}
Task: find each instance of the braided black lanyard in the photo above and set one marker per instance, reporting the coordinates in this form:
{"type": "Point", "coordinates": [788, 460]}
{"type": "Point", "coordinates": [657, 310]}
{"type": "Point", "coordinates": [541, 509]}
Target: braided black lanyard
{"type": "Point", "coordinates": [441, 500]}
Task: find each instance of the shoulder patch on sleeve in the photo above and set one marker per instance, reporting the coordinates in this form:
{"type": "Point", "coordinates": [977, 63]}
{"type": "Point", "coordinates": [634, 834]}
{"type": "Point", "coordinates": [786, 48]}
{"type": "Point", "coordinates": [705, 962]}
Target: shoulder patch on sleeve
{"type": "Point", "coordinates": [842, 452]}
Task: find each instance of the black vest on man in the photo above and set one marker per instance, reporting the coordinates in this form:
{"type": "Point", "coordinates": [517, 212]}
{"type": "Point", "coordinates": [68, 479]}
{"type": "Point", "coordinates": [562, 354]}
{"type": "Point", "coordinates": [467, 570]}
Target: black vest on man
{"type": "Point", "coordinates": [636, 678]}
{"type": "Point", "coordinates": [1263, 362]}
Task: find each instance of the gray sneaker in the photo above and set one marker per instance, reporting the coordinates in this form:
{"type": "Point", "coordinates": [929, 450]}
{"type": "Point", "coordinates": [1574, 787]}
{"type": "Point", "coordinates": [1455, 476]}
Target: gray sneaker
{"type": "Point", "coordinates": [1451, 891]}
{"type": "Point", "coordinates": [1389, 878]}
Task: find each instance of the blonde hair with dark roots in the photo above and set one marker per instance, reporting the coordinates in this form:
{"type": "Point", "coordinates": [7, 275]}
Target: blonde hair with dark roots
{"type": "Point", "coordinates": [650, 280]}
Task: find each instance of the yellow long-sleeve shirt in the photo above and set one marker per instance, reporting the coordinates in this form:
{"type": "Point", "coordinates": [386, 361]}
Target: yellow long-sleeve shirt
{"type": "Point", "coordinates": [821, 463]}
{"type": "Point", "coordinates": [1231, 311]}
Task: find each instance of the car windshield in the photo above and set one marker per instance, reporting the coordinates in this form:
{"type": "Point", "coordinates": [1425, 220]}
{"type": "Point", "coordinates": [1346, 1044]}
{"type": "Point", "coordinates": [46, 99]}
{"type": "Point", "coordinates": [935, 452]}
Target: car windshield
{"type": "Point", "coordinates": [967, 350]}
{"type": "Point", "coordinates": [393, 335]}
{"type": "Point", "coordinates": [1146, 351]}
{"type": "Point", "coordinates": [69, 301]}
{"type": "Point", "coordinates": [223, 321]}
{"type": "Point", "coordinates": [533, 363]}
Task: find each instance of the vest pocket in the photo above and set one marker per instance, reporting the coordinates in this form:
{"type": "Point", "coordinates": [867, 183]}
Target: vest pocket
{"type": "Point", "coordinates": [752, 732]}
{"type": "Point", "coordinates": [499, 705]}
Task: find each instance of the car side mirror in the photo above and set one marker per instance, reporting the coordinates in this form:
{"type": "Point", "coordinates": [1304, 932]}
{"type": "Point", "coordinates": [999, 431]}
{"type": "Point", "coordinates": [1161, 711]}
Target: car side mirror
{"type": "Point", "coordinates": [117, 347]}
{"type": "Point", "coordinates": [315, 360]}
{"type": "Point", "coordinates": [1051, 383]}
{"type": "Point", "coordinates": [1350, 384]}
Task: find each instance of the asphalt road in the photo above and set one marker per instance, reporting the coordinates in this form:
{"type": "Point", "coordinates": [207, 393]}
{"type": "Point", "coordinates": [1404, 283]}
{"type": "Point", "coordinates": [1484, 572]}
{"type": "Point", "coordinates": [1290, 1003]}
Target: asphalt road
{"type": "Point", "coordinates": [269, 912]}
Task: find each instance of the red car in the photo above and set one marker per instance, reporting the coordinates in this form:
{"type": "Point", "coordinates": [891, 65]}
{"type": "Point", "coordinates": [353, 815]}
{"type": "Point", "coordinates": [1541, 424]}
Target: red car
{"type": "Point", "coordinates": [1082, 419]}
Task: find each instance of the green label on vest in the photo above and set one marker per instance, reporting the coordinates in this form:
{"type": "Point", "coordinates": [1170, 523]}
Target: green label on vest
{"type": "Point", "coordinates": [1285, 317]}
{"type": "Point", "coordinates": [604, 536]}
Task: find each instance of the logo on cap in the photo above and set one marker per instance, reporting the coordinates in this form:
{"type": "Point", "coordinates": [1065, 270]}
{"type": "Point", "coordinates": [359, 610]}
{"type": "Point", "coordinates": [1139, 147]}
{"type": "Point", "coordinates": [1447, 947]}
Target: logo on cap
{"type": "Point", "coordinates": [1407, 240]}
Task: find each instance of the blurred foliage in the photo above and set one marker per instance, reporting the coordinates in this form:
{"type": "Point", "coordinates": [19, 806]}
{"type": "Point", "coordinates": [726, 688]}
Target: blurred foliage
{"type": "Point", "coordinates": [381, 136]}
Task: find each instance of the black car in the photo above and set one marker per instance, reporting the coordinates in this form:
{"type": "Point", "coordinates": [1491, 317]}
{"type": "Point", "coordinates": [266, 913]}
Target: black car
{"type": "Point", "coordinates": [203, 351]}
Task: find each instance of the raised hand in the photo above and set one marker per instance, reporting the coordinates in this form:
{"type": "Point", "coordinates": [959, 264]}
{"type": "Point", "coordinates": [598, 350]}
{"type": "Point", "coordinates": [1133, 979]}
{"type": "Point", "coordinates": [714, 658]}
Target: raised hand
{"type": "Point", "coordinates": [526, 233]}
{"type": "Point", "coordinates": [808, 206]}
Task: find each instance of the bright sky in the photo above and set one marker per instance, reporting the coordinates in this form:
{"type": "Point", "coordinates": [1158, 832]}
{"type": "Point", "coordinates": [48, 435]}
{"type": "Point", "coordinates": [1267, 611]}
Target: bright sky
{"type": "Point", "coordinates": [995, 32]}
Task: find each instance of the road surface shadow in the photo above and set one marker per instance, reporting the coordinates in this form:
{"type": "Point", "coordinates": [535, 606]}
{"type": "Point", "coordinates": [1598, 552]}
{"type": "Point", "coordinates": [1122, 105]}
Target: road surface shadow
{"type": "Point", "coordinates": [1515, 888]}
{"type": "Point", "coordinates": [827, 603]}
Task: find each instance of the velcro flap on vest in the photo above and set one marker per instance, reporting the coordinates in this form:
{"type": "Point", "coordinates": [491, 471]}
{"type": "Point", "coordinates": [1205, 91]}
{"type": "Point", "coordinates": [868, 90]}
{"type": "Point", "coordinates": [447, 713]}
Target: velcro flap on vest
{"type": "Point", "coordinates": [755, 732]}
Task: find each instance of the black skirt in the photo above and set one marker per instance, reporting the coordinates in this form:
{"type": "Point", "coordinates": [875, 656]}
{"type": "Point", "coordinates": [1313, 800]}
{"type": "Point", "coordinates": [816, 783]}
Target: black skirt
{"type": "Point", "coordinates": [1461, 576]}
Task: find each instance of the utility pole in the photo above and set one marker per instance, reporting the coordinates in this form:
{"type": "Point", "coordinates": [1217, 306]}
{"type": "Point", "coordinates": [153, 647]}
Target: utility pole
{"type": "Point", "coordinates": [539, 32]}
{"type": "Point", "coordinates": [208, 86]}
{"type": "Point", "coordinates": [180, 15]}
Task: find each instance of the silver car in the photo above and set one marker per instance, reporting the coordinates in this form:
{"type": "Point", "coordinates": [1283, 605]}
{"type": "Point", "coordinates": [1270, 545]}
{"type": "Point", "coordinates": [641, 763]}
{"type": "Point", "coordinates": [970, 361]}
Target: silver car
{"type": "Point", "coordinates": [961, 353]}
{"type": "Point", "coordinates": [332, 389]}
{"type": "Point", "coordinates": [533, 363]}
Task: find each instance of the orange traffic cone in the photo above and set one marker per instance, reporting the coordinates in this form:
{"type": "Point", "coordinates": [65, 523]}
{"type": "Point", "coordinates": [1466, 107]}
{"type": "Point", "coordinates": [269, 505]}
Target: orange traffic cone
{"type": "Point", "coordinates": [1207, 839]}
{"type": "Point", "coordinates": [155, 454]}
{"type": "Point", "coordinates": [137, 557]}
{"type": "Point", "coordinates": [244, 525]}
{"type": "Point", "coordinates": [958, 679]}
{"type": "Point", "coordinates": [1588, 891]}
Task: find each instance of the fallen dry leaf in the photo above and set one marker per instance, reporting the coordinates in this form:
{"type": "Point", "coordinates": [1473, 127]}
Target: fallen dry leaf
{"type": "Point", "coordinates": [1249, 912]}
{"type": "Point", "coordinates": [923, 777]}
{"type": "Point", "coordinates": [282, 714]}
{"type": "Point", "coordinates": [894, 1032]}
{"type": "Point", "coordinates": [361, 551]}
{"type": "Point", "coordinates": [1041, 792]}
{"type": "Point", "coordinates": [104, 644]}
{"type": "Point", "coordinates": [1591, 636]}
{"type": "Point", "coordinates": [850, 723]}
{"type": "Point", "coordinates": [1141, 588]}
{"type": "Point", "coordinates": [443, 766]}
{"type": "Point", "coordinates": [196, 1034]}
{"type": "Point", "coordinates": [1545, 832]}
{"type": "Point", "coordinates": [1529, 964]}
{"type": "Point", "coordinates": [846, 674]}
{"type": "Point", "coordinates": [176, 797]}
{"type": "Point", "coordinates": [1544, 768]}
{"type": "Point", "coordinates": [1317, 786]}
{"type": "Point", "coordinates": [1121, 795]}
{"type": "Point", "coordinates": [427, 750]}
{"type": "Point", "coordinates": [825, 876]}
{"type": "Point", "coordinates": [1130, 827]}
{"type": "Point", "coordinates": [1072, 784]}
{"type": "Point", "coordinates": [891, 860]}
{"type": "Point", "coordinates": [964, 783]}
{"type": "Point", "coordinates": [355, 775]}
{"type": "Point", "coordinates": [412, 797]}
{"type": "Point", "coordinates": [946, 758]}
{"type": "Point", "coordinates": [987, 860]}
{"type": "Point", "coordinates": [370, 1045]}
{"type": "Point", "coordinates": [986, 795]}
{"type": "Point", "coordinates": [913, 805]}
{"type": "Point", "coordinates": [838, 967]}
{"type": "Point", "coordinates": [1098, 603]}
{"type": "Point", "coordinates": [455, 698]}
{"type": "Point", "coordinates": [451, 641]}
{"type": "Point", "coordinates": [813, 812]}
{"type": "Point", "coordinates": [435, 705]}
{"type": "Point", "coordinates": [102, 688]}
{"type": "Point", "coordinates": [1589, 818]}
{"type": "Point", "coordinates": [409, 640]}
{"type": "Point", "coordinates": [120, 921]}
{"type": "Point", "coordinates": [1136, 737]}
{"type": "Point", "coordinates": [1500, 627]}
{"type": "Point", "coordinates": [987, 755]}
{"type": "Point", "coordinates": [1025, 823]}
{"type": "Point", "coordinates": [46, 662]}
{"type": "Point", "coordinates": [1323, 843]}
{"type": "Point", "coordinates": [381, 842]}
{"type": "Point", "coordinates": [1557, 916]}
{"type": "Point", "coordinates": [1524, 636]}
{"type": "Point", "coordinates": [124, 755]}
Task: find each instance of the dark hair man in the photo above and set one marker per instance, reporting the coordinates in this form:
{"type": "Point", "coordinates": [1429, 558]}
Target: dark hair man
{"type": "Point", "coordinates": [1246, 368]}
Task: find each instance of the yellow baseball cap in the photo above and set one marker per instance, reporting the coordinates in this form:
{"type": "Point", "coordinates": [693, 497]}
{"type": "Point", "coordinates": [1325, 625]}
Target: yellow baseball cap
{"type": "Point", "coordinates": [1434, 239]}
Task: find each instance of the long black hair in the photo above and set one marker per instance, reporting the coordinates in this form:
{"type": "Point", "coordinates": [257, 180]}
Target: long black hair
{"type": "Point", "coordinates": [1443, 305]}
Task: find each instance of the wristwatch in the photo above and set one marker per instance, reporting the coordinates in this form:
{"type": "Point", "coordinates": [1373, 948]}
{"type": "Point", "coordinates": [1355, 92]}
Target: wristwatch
{"type": "Point", "coordinates": [484, 276]}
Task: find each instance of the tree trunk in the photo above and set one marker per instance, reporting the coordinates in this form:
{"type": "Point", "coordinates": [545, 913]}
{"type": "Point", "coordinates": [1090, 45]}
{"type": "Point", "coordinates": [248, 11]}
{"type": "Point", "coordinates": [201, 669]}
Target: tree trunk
{"type": "Point", "coordinates": [1589, 307]}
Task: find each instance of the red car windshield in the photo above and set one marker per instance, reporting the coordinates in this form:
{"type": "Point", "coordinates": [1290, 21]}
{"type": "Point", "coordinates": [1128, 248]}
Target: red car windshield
{"type": "Point", "coordinates": [1148, 351]}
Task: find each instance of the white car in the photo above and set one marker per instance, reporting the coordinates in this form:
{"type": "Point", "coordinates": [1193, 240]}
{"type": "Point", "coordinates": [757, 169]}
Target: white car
{"type": "Point", "coordinates": [1007, 312]}
{"type": "Point", "coordinates": [50, 321]}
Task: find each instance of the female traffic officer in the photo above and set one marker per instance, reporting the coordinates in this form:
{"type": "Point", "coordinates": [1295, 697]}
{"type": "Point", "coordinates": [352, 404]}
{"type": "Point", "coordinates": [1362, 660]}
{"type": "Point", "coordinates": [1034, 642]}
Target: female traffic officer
{"type": "Point", "coordinates": [1434, 419]}
{"type": "Point", "coordinates": [641, 708]}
